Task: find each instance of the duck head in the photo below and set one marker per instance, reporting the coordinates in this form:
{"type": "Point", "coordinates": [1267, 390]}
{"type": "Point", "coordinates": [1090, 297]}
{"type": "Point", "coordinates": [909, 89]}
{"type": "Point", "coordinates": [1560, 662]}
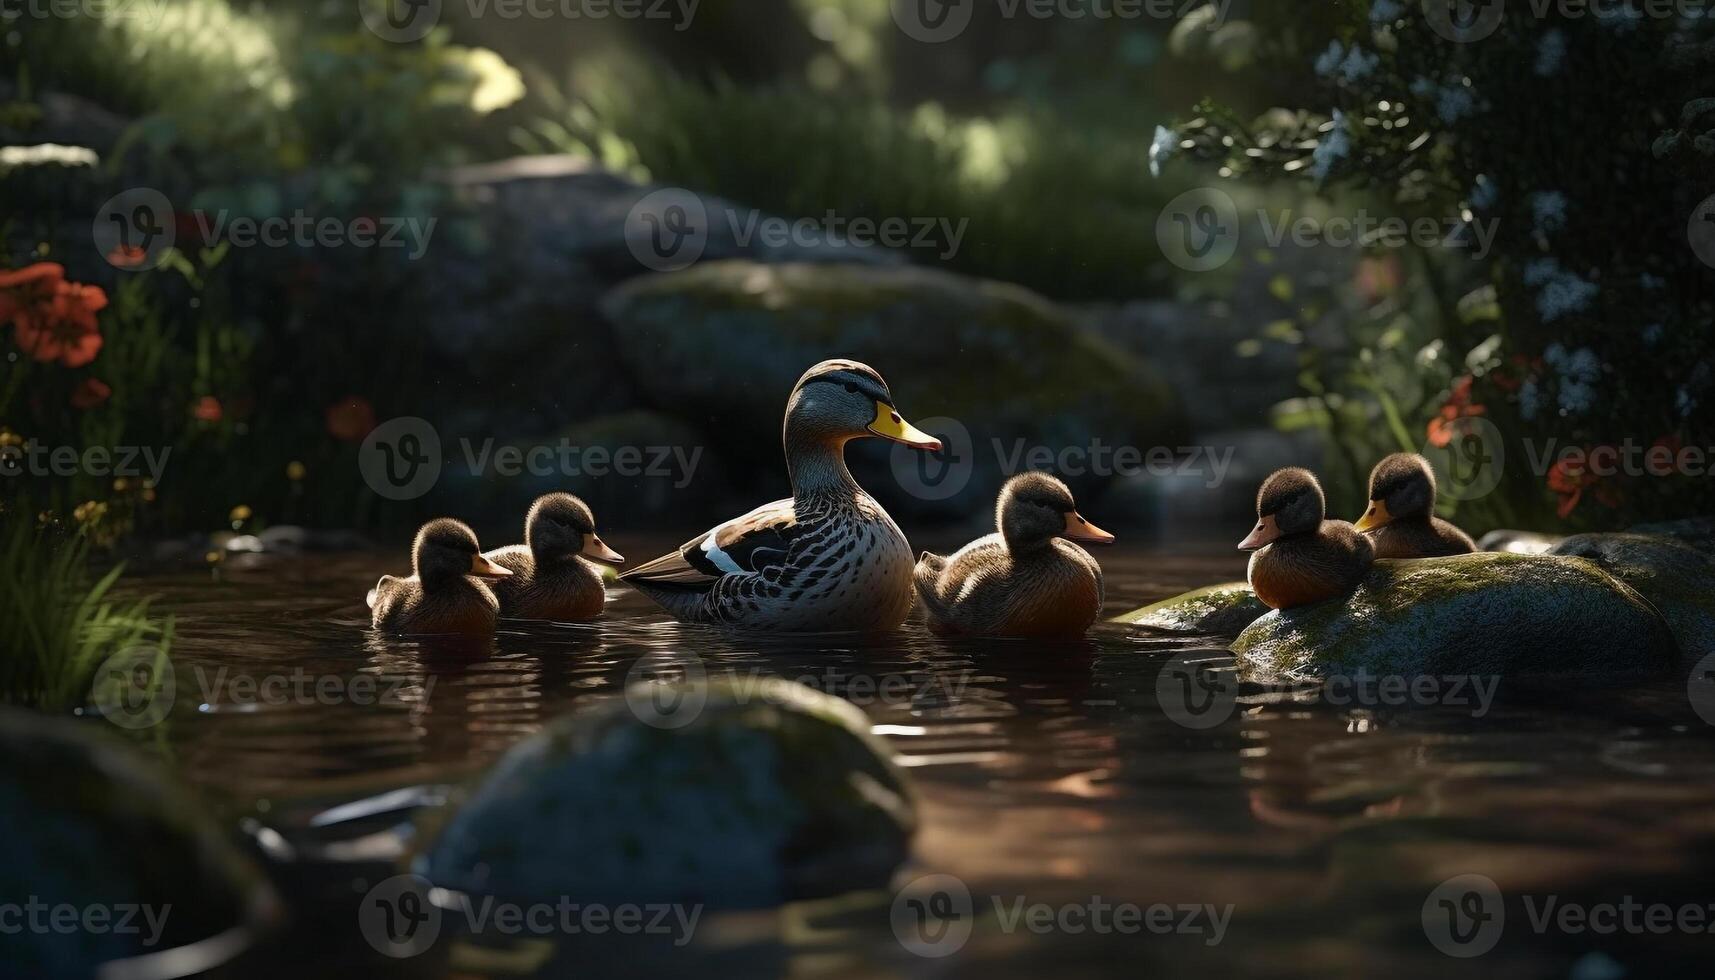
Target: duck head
{"type": "Point", "coordinates": [1401, 486]}
{"type": "Point", "coordinates": [1035, 508]}
{"type": "Point", "coordinates": [1289, 503]}
{"type": "Point", "coordinates": [840, 400]}
{"type": "Point", "coordinates": [446, 549]}
{"type": "Point", "coordinates": [560, 525]}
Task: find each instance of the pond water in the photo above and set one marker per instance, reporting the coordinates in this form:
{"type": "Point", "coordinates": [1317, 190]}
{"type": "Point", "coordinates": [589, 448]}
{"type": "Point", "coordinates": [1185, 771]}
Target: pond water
{"type": "Point", "coordinates": [1309, 833]}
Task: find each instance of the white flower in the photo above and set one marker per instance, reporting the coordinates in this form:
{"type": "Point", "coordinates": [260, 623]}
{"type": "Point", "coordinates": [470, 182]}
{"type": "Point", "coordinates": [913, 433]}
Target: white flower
{"type": "Point", "coordinates": [1455, 103]}
{"type": "Point", "coordinates": [1385, 11]}
{"type": "Point", "coordinates": [1485, 195]}
{"type": "Point", "coordinates": [1576, 397]}
{"type": "Point", "coordinates": [1162, 149]}
{"type": "Point", "coordinates": [1559, 292]}
{"type": "Point", "coordinates": [1551, 52]}
{"type": "Point", "coordinates": [1358, 65]}
{"type": "Point", "coordinates": [1331, 149]}
{"type": "Point", "coordinates": [1328, 62]}
{"type": "Point", "coordinates": [1549, 208]}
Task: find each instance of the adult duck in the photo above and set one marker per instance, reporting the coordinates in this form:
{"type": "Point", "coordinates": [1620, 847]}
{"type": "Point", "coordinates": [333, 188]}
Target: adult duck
{"type": "Point", "coordinates": [828, 558]}
{"type": "Point", "coordinates": [1300, 557]}
{"type": "Point", "coordinates": [1400, 520]}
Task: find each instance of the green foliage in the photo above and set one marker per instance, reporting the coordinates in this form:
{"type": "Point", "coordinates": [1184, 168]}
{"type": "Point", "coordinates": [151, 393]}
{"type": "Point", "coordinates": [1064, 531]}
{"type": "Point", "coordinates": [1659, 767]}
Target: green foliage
{"type": "Point", "coordinates": [1071, 215]}
{"type": "Point", "coordinates": [58, 622]}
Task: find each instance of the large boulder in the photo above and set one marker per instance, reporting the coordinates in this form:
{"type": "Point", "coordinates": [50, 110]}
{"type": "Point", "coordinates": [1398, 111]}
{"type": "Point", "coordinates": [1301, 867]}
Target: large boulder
{"type": "Point", "coordinates": [157, 889]}
{"type": "Point", "coordinates": [1002, 375]}
{"type": "Point", "coordinates": [1678, 579]}
{"type": "Point", "coordinates": [1693, 532]}
{"type": "Point", "coordinates": [1222, 609]}
{"type": "Point", "coordinates": [1480, 614]}
{"type": "Point", "coordinates": [692, 791]}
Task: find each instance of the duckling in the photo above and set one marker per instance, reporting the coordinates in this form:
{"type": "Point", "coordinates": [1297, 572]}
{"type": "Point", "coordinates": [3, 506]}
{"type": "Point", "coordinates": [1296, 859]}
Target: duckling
{"type": "Point", "coordinates": [828, 557]}
{"type": "Point", "coordinates": [440, 596]}
{"type": "Point", "coordinates": [1302, 558]}
{"type": "Point", "coordinates": [551, 578]}
{"type": "Point", "coordinates": [1401, 519]}
{"type": "Point", "coordinates": [1021, 581]}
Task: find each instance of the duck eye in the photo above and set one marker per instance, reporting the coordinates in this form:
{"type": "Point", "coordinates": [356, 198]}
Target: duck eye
{"type": "Point", "coordinates": [850, 387]}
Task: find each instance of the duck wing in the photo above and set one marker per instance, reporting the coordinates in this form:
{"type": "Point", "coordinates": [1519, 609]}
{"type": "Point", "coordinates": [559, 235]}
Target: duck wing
{"type": "Point", "coordinates": [750, 544]}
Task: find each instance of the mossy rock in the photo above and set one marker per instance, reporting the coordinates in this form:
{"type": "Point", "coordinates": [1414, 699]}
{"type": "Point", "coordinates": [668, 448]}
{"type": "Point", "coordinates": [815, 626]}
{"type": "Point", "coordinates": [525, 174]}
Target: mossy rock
{"type": "Point", "coordinates": [1678, 579]}
{"type": "Point", "coordinates": [1693, 532]}
{"type": "Point", "coordinates": [721, 344]}
{"type": "Point", "coordinates": [1225, 609]}
{"type": "Point", "coordinates": [1479, 614]}
{"type": "Point", "coordinates": [91, 826]}
{"type": "Point", "coordinates": [771, 792]}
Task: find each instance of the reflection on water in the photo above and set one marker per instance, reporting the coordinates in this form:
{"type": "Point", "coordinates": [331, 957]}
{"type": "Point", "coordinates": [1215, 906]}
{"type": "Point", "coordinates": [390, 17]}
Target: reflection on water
{"type": "Point", "coordinates": [1048, 775]}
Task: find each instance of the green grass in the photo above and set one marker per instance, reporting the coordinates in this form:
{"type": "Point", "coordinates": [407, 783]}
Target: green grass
{"type": "Point", "coordinates": [58, 621]}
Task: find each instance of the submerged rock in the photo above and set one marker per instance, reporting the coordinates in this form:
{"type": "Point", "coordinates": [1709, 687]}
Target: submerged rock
{"type": "Point", "coordinates": [771, 791]}
{"type": "Point", "coordinates": [1478, 614]}
{"type": "Point", "coordinates": [91, 827]}
{"type": "Point", "coordinates": [1225, 608]}
{"type": "Point", "coordinates": [1020, 380]}
{"type": "Point", "coordinates": [1678, 579]}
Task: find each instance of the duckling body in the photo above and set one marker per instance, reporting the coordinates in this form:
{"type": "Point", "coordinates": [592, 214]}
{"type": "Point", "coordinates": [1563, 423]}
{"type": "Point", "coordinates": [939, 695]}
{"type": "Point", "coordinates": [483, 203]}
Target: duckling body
{"type": "Point", "coordinates": [1400, 520]}
{"type": "Point", "coordinates": [1024, 580]}
{"type": "Point", "coordinates": [829, 558]}
{"type": "Point", "coordinates": [442, 596]}
{"type": "Point", "coordinates": [551, 579]}
{"type": "Point", "coordinates": [1301, 556]}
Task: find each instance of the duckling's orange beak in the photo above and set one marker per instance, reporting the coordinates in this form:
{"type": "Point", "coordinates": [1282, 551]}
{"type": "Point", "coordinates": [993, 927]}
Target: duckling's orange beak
{"type": "Point", "coordinates": [889, 425]}
{"type": "Point", "coordinates": [596, 548]}
{"type": "Point", "coordinates": [1264, 532]}
{"type": "Point", "coordinates": [481, 567]}
{"type": "Point", "coordinates": [1078, 529]}
{"type": "Point", "coordinates": [1375, 517]}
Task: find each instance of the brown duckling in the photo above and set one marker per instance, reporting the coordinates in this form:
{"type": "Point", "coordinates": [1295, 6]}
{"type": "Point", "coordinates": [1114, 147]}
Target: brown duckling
{"type": "Point", "coordinates": [551, 578]}
{"type": "Point", "coordinates": [441, 596]}
{"type": "Point", "coordinates": [1303, 558]}
{"type": "Point", "coordinates": [1401, 519]}
{"type": "Point", "coordinates": [1023, 581]}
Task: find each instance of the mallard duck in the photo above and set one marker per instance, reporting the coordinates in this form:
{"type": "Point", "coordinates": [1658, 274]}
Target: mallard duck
{"type": "Point", "coordinates": [441, 596]}
{"type": "Point", "coordinates": [1022, 581]}
{"type": "Point", "coordinates": [1401, 519]}
{"type": "Point", "coordinates": [551, 578]}
{"type": "Point", "coordinates": [1302, 558]}
{"type": "Point", "coordinates": [828, 557]}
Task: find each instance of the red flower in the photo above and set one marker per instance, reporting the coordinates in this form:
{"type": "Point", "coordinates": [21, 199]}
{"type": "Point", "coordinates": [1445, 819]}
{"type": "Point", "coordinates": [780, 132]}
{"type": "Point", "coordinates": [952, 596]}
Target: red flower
{"type": "Point", "coordinates": [1568, 478]}
{"type": "Point", "coordinates": [90, 393]}
{"type": "Point", "coordinates": [52, 319]}
{"type": "Point", "coordinates": [206, 409]}
{"type": "Point", "coordinates": [1447, 423]}
{"type": "Point", "coordinates": [350, 419]}
{"type": "Point", "coordinates": [126, 256]}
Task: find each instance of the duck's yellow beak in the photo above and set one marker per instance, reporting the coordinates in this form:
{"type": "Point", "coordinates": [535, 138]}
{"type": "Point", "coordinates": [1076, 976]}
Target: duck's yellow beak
{"type": "Point", "coordinates": [1264, 532]}
{"type": "Point", "coordinates": [889, 425]}
{"type": "Point", "coordinates": [1375, 517]}
{"type": "Point", "coordinates": [596, 548]}
{"type": "Point", "coordinates": [1078, 529]}
{"type": "Point", "coordinates": [481, 567]}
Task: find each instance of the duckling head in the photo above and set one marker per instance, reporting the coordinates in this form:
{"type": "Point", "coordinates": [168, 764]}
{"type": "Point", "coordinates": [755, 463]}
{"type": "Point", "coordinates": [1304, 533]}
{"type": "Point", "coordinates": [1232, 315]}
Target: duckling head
{"type": "Point", "coordinates": [446, 549]}
{"type": "Point", "coordinates": [840, 400]}
{"type": "Point", "coordinates": [1035, 508]}
{"type": "Point", "coordinates": [560, 525]}
{"type": "Point", "coordinates": [1401, 486]}
{"type": "Point", "coordinates": [1290, 502]}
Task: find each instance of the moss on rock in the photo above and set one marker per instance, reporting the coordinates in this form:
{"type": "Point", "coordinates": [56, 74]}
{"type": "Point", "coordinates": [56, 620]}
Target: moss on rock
{"type": "Point", "coordinates": [771, 791]}
{"type": "Point", "coordinates": [1488, 614]}
{"type": "Point", "coordinates": [1226, 608]}
{"type": "Point", "coordinates": [1693, 532]}
{"type": "Point", "coordinates": [1678, 579]}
